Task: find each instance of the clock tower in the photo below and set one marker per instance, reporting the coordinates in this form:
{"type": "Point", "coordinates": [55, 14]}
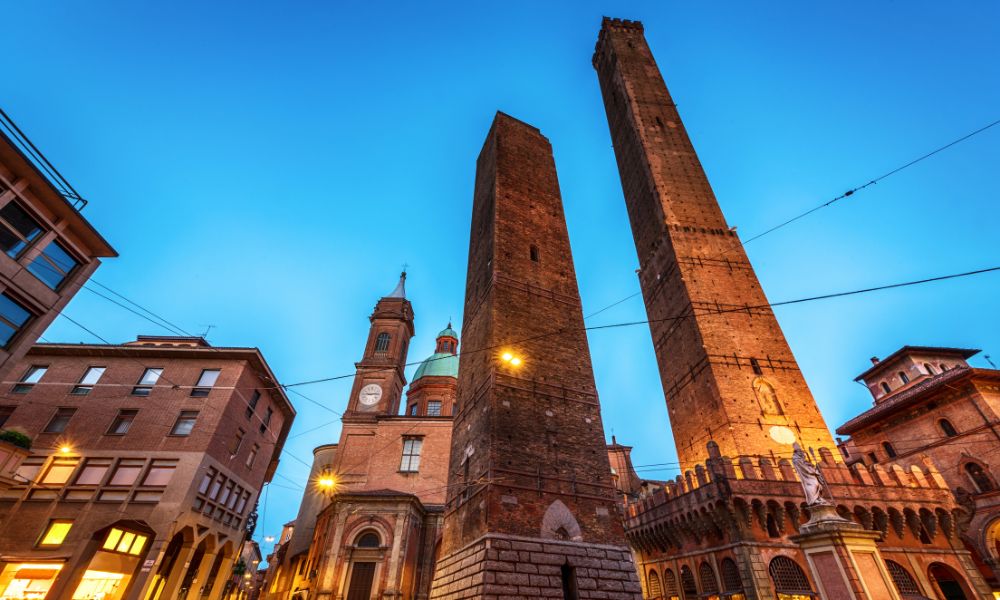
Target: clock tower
{"type": "Point", "coordinates": [379, 382]}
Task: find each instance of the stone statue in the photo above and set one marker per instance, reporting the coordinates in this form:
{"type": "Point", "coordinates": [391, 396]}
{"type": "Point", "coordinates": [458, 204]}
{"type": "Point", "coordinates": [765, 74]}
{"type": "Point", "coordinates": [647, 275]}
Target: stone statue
{"type": "Point", "coordinates": [811, 477]}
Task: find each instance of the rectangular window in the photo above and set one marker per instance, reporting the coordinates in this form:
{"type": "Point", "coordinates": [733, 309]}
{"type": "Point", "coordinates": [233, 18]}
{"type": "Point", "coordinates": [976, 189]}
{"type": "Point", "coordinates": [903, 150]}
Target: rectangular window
{"type": "Point", "coordinates": [252, 405]}
{"type": "Point", "coordinates": [207, 480]}
{"type": "Point", "coordinates": [253, 455]}
{"type": "Point", "coordinates": [267, 420]}
{"type": "Point", "coordinates": [160, 473]}
{"type": "Point", "coordinates": [13, 318]}
{"type": "Point", "coordinates": [5, 413]}
{"type": "Point", "coordinates": [29, 469]}
{"type": "Point", "coordinates": [184, 423]}
{"type": "Point", "coordinates": [32, 376]}
{"type": "Point", "coordinates": [127, 472]}
{"type": "Point", "coordinates": [60, 471]}
{"type": "Point", "coordinates": [242, 503]}
{"type": "Point", "coordinates": [59, 420]}
{"type": "Point", "coordinates": [234, 448]}
{"type": "Point", "coordinates": [216, 486]}
{"type": "Point", "coordinates": [227, 492]}
{"type": "Point", "coordinates": [93, 471]}
{"type": "Point", "coordinates": [205, 382]}
{"type": "Point", "coordinates": [411, 455]}
{"type": "Point", "coordinates": [53, 265]}
{"type": "Point", "coordinates": [434, 408]}
{"type": "Point", "coordinates": [122, 422]}
{"type": "Point", "coordinates": [56, 532]}
{"type": "Point", "coordinates": [90, 377]}
{"type": "Point", "coordinates": [413, 410]}
{"type": "Point", "coordinates": [17, 229]}
{"type": "Point", "coordinates": [236, 496]}
{"type": "Point", "coordinates": [146, 382]}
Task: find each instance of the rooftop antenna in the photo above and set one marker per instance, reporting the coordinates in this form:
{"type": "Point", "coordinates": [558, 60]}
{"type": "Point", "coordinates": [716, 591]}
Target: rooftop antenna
{"type": "Point", "coordinates": [207, 329]}
{"type": "Point", "coordinates": [987, 357]}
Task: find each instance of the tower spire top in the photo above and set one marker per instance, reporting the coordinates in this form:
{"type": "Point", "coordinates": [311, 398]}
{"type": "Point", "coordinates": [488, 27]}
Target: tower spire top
{"type": "Point", "coordinates": [400, 291]}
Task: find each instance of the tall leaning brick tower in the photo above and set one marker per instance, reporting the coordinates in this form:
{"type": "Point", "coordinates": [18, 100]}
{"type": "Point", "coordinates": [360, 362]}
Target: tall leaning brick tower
{"type": "Point", "coordinates": [531, 509]}
{"type": "Point", "coordinates": [727, 372]}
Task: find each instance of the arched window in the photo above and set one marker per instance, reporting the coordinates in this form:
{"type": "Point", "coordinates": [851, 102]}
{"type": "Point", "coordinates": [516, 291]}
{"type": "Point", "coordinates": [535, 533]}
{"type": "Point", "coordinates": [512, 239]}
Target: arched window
{"type": "Point", "coordinates": [929, 369]}
{"type": "Point", "coordinates": [654, 585]}
{"type": "Point", "coordinates": [947, 427]}
{"type": "Point", "coordinates": [790, 581]}
{"type": "Point", "coordinates": [886, 388]}
{"type": "Point", "coordinates": [772, 527]}
{"type": "Point", "coordinates": [382, 343]}
{"type": "Point", "coordinates": [904, 377]}
{"type": "Point", "coordinates": [368, 539]}
{"type": "Point", "coordinates": [689, 587]}
{"type": "Point", "coordinates": [732, 585]}
{"type": "Point", "coordinates": [669, 585]}
{"type": "Point", "coordinates": [709, 584]}
{"type": "Point", "coordinates": [944, 367]}
{"type": "Point", "coordinates": [905, 584]}
{"type": "Point", "coordinates": [979, 477]}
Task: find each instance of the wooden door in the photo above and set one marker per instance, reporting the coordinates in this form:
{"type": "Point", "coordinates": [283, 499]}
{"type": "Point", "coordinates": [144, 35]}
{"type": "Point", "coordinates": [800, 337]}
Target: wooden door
{"type": "Point", "coordinates": [362, 576]}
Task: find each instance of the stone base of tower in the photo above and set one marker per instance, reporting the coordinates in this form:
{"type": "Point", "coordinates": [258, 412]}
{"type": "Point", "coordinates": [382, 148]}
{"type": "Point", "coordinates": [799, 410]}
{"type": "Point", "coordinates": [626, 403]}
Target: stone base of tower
{"type": "Point", "coordinates": [503, 566]}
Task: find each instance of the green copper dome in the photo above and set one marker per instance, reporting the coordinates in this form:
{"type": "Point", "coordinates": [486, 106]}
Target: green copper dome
{"type": "Point", "coordinates": [448, 332]}
{"type": "Point", "coordinates": [440, 364]}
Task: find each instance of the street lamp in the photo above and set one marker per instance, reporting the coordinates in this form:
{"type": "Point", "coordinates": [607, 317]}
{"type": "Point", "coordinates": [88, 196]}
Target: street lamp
{"type": "Point", "coordinates": [511, 359]}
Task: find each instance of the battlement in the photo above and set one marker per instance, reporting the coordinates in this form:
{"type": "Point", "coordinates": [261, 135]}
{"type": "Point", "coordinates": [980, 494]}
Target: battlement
{"type": "Point", "coordinates": [609, 24]}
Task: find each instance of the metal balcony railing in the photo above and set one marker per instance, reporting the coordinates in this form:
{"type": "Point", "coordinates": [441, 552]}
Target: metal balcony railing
{"type": "Point", "coordinates": [16, 138]}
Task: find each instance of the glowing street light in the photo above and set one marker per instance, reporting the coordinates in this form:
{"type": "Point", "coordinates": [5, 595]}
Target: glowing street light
{"type": "Point", "coordinates": [65, 449]}
{"type": "Point", "coordinates": [268, 538]}
{"type": "Point", "coordinates": [511, 359]}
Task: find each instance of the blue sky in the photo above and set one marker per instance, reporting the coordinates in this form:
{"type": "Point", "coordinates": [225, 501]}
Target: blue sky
{"type": "Point", "coordinates": [267, 169]}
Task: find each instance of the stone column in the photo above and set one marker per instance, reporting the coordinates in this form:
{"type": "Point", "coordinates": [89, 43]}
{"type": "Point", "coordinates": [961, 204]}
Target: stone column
{"type": "Point", "coordinates": [176, 575]}
{"type": "Point", "coordinates": [207, 562]}
{"type": "Point", "coordinates": [225, 571]}
{"type": "Point", "coordinates": [844, 560]}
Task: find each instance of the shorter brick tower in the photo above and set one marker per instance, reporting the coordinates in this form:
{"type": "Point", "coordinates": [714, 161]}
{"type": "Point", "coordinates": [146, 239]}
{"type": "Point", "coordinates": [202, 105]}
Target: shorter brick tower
{"type": "Point", "coordinates": [531, 507]}
{"type": "Point", "coordinates": [378, 385]}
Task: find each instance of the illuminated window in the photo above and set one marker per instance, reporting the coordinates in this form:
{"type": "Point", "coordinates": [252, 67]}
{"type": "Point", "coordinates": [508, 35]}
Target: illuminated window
{"type": "Point", "coordinates": [122, 422]}
{"type": "Point", "coordinates": [32, 376]}
{"type": "Point", "coordinates": [90, 377]}
{"type": "Point", "coordinates": [145, 384]}
{"type": "Point", "coordinates": [184, 423]}
{"type": "Point", "coordinates": [790, 581]}
{"type": "Point", "coordinates": [205, 382]}
{"type": "Point", "coordinates": [53, 265]}
{"type": "Point", "coordinates": [13, 317]}
{"type": "Point", "coordinates": [434, 408]}
{"type": "Point", "coordinates": [124, 541]}
{"type": "Point", "coordinates": [56, 532]}
{"type": "Point", "coordinates": [411, 455]}
{"type": "Point", "coordinates": [59, 420]}
{"type": "Point", "coordinates": [59, 471]}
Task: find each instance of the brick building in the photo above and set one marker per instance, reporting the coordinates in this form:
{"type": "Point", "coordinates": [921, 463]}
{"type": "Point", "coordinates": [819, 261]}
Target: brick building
{"type": "Point", "coordinates": [734, 524]}
{"type": "Point", "coordinates": [49, 250]}
{"type": "Point", "coordinates": [928, 402]}
{"type": "Point", "coordinates": [371, 515]}
{"type": "Point", "coordinates": [531, 507]}
{"type": "Point", "coordinates": [146, 465]}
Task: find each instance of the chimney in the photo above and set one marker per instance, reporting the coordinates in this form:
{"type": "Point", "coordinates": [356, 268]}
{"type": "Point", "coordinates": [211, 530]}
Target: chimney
{"type": "Point", "coordinates": [875, 360]}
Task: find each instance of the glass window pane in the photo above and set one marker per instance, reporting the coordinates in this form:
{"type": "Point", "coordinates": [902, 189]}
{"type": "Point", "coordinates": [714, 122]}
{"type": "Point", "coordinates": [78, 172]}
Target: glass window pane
{"type": "Point", "coordinates": [185, 422]}
{"type": "Point", "coordinates": [112, 540]}
{"type": "Point", "coordinates": [13, 311]}
{"type": "Point", "coordinates": [159, 475]}
{"type": "Point", "coordinates": [150, 376]}
{"type": "Point", "coordinates": [34, 374]}
{"type": "Point", "coordinates": [93, 472]}
{"type": "Point", "coordinates": [92, 376]}
{"type": "Point", "coordinates": [56, 533]}
{"type": "Point", "coordinates": [10, 243]}
{"type": "Point", "coordinates": [126, 541]}
{"type": "Point", "coordinates": [19, 224]}
{"type": "Point", "coordinates": [137, 545]}
{"type": "Point", "coordinates": [208, 377]}
{"type": "Point", "coordinates": [59, 472]}
{"type": "Point", "coordinates": [125, 474]}
{"type": "Point", "coordinates": [29, 469]}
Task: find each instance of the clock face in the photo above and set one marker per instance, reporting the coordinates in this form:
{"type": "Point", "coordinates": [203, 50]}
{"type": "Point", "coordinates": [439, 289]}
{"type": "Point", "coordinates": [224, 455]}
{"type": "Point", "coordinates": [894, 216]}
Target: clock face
{"type": "Point", "coordinates": [370, 394]}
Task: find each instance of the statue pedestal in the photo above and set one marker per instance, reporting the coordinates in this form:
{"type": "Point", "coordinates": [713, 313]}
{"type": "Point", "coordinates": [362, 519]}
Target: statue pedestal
{"type": "Point", "coordinates": [843, 557]}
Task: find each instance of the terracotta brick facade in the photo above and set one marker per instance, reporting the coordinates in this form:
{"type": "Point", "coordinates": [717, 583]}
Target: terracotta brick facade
{"type": "Point", "coordinates": [190, 490]}
{"type": "Point", "coordinates": [727, 372]}
{"type": "Point", "coordinates": [528, 459]}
